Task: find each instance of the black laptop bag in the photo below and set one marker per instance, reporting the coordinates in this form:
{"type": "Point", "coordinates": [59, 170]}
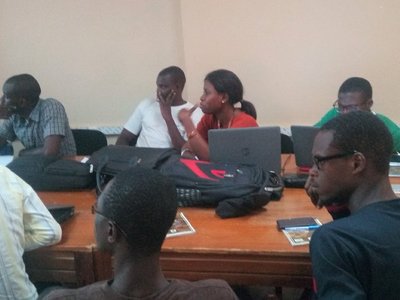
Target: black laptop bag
{"type": "Point", "coordinates": [234, 189]}
{"type": "Point", "coordinates": [49, 173]}
{"type": "Point", "coordinates": [113, 159]}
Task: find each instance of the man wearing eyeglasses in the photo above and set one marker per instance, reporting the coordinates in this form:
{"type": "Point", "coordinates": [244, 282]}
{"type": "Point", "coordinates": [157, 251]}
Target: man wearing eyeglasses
{"type": "Point", "coordinates": [356, 94]}
{"type": "Point", "coordinates": [133, 216]}
{"type": "Point", "coordinates": [357, 257]}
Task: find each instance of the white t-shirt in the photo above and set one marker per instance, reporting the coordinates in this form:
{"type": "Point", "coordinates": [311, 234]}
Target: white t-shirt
{"type": "Point", "coordinates": [148, 123]}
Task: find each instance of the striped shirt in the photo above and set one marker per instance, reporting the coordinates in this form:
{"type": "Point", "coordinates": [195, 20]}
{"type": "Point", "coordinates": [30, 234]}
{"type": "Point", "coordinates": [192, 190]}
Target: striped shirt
{"type": "Point", "coordinates": [47, 118]}
{"type": "Point", "coordinates": [25, 224]}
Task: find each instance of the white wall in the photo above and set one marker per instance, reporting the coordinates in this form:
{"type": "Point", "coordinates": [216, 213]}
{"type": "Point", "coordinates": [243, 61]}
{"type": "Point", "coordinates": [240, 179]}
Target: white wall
{"type": "Point", "coordinates": [98, 57]}
{"type": "Point", "coordinates": [101, 57]}
{"type": "Point", "coordinates": [293, 55]}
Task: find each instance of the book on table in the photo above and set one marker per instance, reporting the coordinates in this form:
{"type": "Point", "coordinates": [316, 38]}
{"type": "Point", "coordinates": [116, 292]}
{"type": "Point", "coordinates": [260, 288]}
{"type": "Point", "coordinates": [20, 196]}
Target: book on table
{"type": "Point", "coordinates": [298, 230]}
{"type": "Point", "coordinates": [181, 226]}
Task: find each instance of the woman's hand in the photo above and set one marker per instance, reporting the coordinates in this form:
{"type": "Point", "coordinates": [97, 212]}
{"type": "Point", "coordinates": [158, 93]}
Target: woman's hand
{"type": "Point", "coordinates": [185, 114]}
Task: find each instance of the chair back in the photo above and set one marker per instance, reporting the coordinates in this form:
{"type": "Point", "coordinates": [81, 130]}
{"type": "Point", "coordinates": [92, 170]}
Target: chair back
{"type": "Point", "coordinates": [286, 144]}
{"type": "Point", "coordinates": [88, 140]}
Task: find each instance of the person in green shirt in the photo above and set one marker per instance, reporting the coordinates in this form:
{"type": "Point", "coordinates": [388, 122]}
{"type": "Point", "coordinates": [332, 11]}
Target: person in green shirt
{"type": "Point", "coordinates": [354, 94]}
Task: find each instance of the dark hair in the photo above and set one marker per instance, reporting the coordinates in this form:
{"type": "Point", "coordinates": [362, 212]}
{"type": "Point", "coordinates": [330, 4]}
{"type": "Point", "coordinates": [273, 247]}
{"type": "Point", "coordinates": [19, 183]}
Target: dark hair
{"type": "Point", "coordinates": [225, 81]}
{"type": "Point", "coordinates": [22, 86]}
{"type": "Point", "coordinates": [363, 132]}
{"type": "Point", "coordinates": [177, 74]}
{"type": "Point", "coordinates": [143, 203]}
{"type": "Point", "coordinates": [356, 84]}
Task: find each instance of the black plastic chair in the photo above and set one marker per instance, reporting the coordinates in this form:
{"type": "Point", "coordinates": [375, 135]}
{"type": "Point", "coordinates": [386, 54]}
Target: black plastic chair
{"type": "Point", "coordinates": [88, 140]}
{"type": "Point", "coordinates": [286, 144]}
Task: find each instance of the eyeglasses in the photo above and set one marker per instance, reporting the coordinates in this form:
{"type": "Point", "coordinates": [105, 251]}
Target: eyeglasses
{"type": "Point", "coordinates": [96, 211]}
{"type": "Point", "coordinates": [319, 160]}
{"type": "Point", "coordinates": [345, 108]}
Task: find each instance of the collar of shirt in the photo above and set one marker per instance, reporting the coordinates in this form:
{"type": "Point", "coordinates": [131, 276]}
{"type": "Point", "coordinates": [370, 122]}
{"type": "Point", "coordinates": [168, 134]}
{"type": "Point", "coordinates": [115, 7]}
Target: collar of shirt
{"type": "Point", "coordinates": [34, 115]}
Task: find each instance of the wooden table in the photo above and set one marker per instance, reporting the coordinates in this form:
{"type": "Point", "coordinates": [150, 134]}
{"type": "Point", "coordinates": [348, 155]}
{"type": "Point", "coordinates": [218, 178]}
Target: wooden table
{"type": "Point", "coordinates": [70, 261]}
{"type": "Point", "coordinates": [245, 250]}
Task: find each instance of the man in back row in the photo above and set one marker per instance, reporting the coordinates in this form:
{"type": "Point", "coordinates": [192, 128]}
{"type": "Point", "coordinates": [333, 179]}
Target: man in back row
{"type": "Point", "coordinates": [154, 122]}
{"type": "Point", "coordinates": [133, 216]}
{"type": "Point", "coordinates": [41, 125]}
{"type": "Point", "coordinates": [357, 257]}
{"type": "Point", "coordinates": [355, 93]}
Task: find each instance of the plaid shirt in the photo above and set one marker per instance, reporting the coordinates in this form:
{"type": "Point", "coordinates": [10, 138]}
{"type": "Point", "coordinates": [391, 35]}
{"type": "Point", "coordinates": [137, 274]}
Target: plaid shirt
{"type": "Point", "coordinates": [47, 118]}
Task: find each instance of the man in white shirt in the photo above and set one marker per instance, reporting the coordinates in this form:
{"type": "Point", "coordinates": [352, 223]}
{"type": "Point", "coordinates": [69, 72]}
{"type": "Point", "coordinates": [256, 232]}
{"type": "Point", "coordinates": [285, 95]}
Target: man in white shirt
{"type": "Point", "coordinates": [25, 224]}
{"type": "Point", "coordinates": [154, 122]}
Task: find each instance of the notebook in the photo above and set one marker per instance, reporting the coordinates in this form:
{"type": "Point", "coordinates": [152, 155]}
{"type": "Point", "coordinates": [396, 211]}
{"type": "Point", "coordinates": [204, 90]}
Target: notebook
{"type": "Point", "coordinates": [303, 139]}
{"type": "Point", "coordinates": [251, 145]}
{"type": "Point", "coordinates": [61, 212]}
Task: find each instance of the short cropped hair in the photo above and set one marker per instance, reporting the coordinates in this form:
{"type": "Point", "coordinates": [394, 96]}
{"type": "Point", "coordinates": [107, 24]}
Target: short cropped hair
{"type": "Point", "coordinates": [356, 84]}
{"type": "Point", "coordinates": [177, 74]}
{"type": "Point", "coordinates": [143, 203]}
{"type": "Point", "coordinates": [363, 132]}
{"type": "Point", "coordinates": [225, 81]}
{"type": "Point", "coordinates": [22, 86]}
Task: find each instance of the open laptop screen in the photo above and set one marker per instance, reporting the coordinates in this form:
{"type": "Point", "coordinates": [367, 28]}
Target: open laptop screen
{"type": "Point", "coordinates": [303, 140]}
{"type": "Point", "coordinates": [251, 145]}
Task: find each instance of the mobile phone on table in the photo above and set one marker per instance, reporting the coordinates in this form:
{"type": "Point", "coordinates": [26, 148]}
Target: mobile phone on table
{"type": "Point", "coordinates": [307, 222]}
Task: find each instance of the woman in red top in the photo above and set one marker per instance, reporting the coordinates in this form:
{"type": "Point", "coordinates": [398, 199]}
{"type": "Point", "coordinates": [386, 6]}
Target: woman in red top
{"type": "Point", "coordinates": [222, 90]}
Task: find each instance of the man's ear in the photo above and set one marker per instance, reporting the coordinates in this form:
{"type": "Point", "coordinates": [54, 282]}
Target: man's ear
{"type": "Point", "coordinates": [369, 103]}
{"type": "Point", "coordinates": [111, 233]}
{"type": "Point", "coordinates": [359, 163]}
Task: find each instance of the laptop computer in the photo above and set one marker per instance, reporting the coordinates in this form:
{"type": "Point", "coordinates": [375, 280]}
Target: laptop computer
{"type": "Point", "coordinates": [251, 145]}
{"type": "Point", "coordinates": [61, 212]}
{"type": "Point", "coordinates": [303, 140]}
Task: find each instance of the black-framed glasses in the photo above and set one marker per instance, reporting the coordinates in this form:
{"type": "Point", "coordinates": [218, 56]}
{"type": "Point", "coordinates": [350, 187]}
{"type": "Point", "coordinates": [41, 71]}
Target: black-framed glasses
{"type": "Point", "coordinates": [319, 160]}
{"type": "Point", "coordinates": [96, 211]}
{"type": "Point", "coordinates": [347, 108]}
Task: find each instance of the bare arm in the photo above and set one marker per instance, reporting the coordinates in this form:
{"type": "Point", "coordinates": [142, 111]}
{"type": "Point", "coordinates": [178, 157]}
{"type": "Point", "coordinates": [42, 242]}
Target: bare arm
{"type": "Point", "coordinates": [52, 145]}
{"type": "Point", "coordinates": [127, 138]}
{"type": "Point", "coordinates": [165, 107]}
{"type": "Point", "coordinates": [196, 142]}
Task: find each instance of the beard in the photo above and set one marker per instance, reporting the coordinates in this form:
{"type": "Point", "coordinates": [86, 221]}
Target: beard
{"type": "Point", "coordinates": [339, 199]}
